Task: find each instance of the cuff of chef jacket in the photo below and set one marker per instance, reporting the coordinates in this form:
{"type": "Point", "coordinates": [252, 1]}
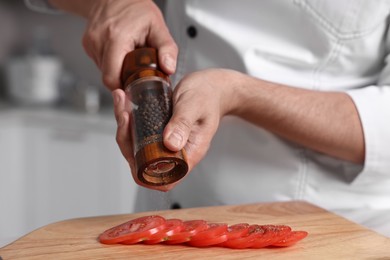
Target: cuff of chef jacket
{"type": "Point", "coordinates": [373, 105]}
{"type": "Point", "coordinates": [41, 6]}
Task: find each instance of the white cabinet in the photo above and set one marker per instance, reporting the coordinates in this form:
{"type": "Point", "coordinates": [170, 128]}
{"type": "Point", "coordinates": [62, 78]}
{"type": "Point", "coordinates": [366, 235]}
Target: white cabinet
{"type": "Point", "coordinates": [12, 183]}
{"type": "Point", "coordinates": [60, 166]}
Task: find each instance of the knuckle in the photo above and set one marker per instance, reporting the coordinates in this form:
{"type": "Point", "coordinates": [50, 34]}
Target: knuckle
{"type": "Point", "coordinates": [112, 32]}
{"type": "Point", "coordinates": [90, 43]}
{"type": "Point", "coordinates": [119, 140]}
{"type": "Point", "coordinates": [86, 41]}
{"type": "Point", "coordinates": [109, 81]}
{"type": "Point", "coordinates": [90, 36]}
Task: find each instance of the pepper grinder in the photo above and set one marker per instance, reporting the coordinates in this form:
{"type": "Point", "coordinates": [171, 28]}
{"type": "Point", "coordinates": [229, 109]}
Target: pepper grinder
{"type": "Point", "coordinates": [150, 93]}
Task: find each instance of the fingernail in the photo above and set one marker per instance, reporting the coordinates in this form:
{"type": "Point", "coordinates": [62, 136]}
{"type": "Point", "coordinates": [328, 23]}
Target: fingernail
{"type": "Point", "coordinates": [175, 139]}
{"type": "Point", "coordinates": [169, 63]}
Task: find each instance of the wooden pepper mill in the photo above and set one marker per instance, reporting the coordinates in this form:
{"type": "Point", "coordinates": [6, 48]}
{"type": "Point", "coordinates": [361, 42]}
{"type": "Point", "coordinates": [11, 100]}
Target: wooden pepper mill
{"type": "Point", "coordinates": [150, 93]}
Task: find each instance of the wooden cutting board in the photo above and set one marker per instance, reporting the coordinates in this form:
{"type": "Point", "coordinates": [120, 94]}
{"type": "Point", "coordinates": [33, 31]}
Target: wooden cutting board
{"type": "Point", "coordinates": [330, 236]}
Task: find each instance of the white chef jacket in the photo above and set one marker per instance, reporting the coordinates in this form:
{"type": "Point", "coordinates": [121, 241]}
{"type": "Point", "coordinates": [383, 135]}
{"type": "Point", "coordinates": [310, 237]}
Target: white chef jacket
{"type": "Point", "coordinates": [320, 45]}
{"type": "Point", "coordinates": [327, 45]}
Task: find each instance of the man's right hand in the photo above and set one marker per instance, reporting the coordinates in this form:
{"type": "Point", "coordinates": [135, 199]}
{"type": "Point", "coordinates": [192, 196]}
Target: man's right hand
{"type": "Point", "coordinates": [116, 27]}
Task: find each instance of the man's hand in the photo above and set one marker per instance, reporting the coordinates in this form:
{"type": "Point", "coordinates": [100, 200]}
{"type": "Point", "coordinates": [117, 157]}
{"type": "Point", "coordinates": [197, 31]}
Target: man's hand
{"type": "Point", "coordinates": [200, 100]}
{"type": "Point", "coordinates": [116, 27]}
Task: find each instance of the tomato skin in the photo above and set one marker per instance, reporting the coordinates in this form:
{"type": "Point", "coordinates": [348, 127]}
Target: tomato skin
{"type": "Point", "coordinates": [213, 230]}
{"type": "Point", "coordinates": [291, 238]}
{"type": "Point", "coordinates": [134, 230]}
{"type": "Point", "coordinates": [172, 226]}
{"type": "Point", "coordinates": [191, 227]}
{"type": "Point", "coordinates": [215, 233]}
{"type": "Point", "coordinates": [133, 241]}
{"type": "Point", "coordinates": [212, 241]}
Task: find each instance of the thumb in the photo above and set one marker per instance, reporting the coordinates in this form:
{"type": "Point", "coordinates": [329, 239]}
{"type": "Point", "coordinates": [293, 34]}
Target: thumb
{"type": "Point", "coordinates": [178, 130]}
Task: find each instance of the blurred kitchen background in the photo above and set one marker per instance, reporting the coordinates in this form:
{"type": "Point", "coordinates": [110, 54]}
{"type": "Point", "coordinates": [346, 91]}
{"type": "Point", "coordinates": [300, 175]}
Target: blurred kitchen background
{"type": "Point", "coordinates": [58, 154]}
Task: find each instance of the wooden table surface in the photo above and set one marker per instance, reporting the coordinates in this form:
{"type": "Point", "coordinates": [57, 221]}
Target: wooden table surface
{"type": "Point", "coordinates": [330, 236]}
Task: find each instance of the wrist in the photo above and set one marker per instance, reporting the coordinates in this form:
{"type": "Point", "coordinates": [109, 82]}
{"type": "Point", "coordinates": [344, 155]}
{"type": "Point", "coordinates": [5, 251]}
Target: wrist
{"type": "Point", "coordinates": [239, 93]}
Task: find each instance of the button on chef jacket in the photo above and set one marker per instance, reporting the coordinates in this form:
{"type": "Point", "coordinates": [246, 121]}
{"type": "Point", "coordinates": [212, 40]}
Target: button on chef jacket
{"type": "Point", "coordinates": [324, 45]}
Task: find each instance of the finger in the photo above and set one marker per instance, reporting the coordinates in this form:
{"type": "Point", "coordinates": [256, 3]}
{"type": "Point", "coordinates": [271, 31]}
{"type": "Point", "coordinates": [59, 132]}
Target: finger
{"type": "Point", "coordinates": [112, 62]}
{"type": "Point", "coordinates": [161, 39]}
{"type": "Point", "coordinates": [179, 127]}
{"type": "Point", "coordinates": [122, 116]}
{"type": "Point", "coordinates": [92, 46]}
{"type": "Point", "coordinates": [89, 51]}
{"type": "Point", "coordinates": [91, 55]}
{"type": "Point", "coordinates": [197, 145]}
{"type": "Point", "coordinates": [119, 99]}
{"type": "Point", "coordinates": [123, 136]}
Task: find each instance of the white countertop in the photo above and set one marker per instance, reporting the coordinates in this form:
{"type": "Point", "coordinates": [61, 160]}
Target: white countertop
{"type": "Point", "coordinates": [62, 117]}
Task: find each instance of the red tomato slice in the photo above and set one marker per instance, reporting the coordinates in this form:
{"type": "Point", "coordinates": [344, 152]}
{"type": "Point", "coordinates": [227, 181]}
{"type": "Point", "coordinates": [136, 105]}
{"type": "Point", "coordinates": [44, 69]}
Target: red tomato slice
{"type": "Point", "coordinates": [191, 227]}
{"type": "Point", "coordinates": [172, 226]}
{"type": "Point", "coordinates": [292, 238]}
{"type": "Point", "coordinates": [247, 240]}
{"type": "Point", "coordinates": [237, 230]}
{"type": "Point", "coordinates": [198, 233]}
{"type": "Point", "coordinates": [212, 241]}
{"type": "Point", "coordinates": [272, 234]}
{"type": "Point", "coordinates": [213, 230]}
{"type": "Point", "coordinates": [133, 231]}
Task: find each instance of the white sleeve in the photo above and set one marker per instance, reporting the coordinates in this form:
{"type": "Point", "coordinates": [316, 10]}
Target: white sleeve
{"type": "Point", "coordinates": [373, 105]}
{"type": "Point", "coordinates": [41, 6]}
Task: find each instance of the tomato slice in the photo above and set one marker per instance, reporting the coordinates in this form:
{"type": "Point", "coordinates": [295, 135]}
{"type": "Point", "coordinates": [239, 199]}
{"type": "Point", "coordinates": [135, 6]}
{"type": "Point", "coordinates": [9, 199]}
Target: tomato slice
{"type": "Point", "coordinates": [155, 229]}
{"type": "Point", "coordinates": [191, 227]}
{"type": "Point", "coordinates": [237, 230]}
{"type": "Point", "coordinates": [211, 241]}
{"type": "Point", "coordinates": [133, 231]}
{"type": "Point", "coordinates": [272, 234]}
{"type": "Point", "coordinates": [213, 230]}
{"type": "Point", "coordinates": [247, 240]}
{"type": "Point", "coordinates": [172, 226]}
{"type": "Point", "coordinates": [291, 238]}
